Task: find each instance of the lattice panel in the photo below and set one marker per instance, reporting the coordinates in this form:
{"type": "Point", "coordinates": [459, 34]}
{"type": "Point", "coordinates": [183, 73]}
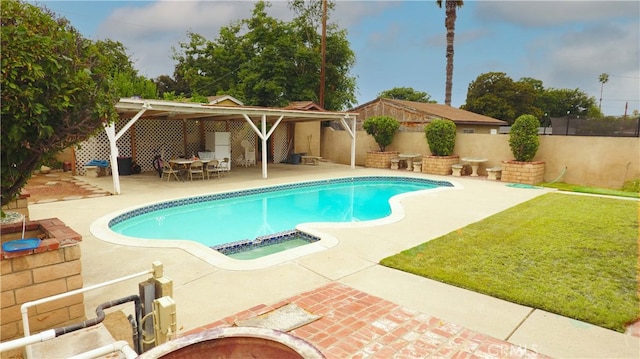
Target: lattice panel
{"type": "Point", "coordinates": [97, 148]}
{"type": "Point", "coordinates": [240, 130]}
{"type": "Point", "coordinates": [280, 142]}
{"type": "Point", "coordinates": [215, 126]}
{"type": "Point", "coordinates": [157, 137]}
{"type": "Point", "coordinates": [192, 129]}
{"type": "Point", "coordinates": [165, 137]}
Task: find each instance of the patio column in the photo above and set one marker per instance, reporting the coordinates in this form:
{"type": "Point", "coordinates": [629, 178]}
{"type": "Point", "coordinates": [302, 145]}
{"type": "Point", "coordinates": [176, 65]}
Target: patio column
{"type": "Point", "coordinates": [264, 136]}
{"type": "Point", "coordinates": [110, 129]}
{"type": "Point", "coordinates": [352, 132]}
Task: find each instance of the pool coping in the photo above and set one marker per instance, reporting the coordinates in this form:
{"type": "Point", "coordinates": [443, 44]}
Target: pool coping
{"type": "Point", "coordinates": [100, 229]}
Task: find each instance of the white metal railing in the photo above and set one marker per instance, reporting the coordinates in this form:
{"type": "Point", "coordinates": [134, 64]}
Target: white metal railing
{"type": "Point", "coordinates": [28, 339]}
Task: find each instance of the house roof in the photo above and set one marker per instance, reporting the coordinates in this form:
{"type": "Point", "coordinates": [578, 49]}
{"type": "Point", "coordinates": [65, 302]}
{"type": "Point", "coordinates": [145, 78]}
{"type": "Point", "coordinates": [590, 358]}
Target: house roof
{"type": "Point", "coordinates": [434, 110]}
{"type": "Point", "coordinates": [303, 105]}
{"type": "Point", "coordinates": [224, 100]}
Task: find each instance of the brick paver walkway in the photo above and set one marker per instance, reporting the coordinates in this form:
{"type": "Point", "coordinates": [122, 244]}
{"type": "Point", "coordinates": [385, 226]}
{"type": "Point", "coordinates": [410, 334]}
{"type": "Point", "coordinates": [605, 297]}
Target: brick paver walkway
{"type": "Point", "coordinates": [355, 324]}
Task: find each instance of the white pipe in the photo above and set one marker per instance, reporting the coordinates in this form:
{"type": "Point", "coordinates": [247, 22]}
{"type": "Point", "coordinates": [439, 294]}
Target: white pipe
{"type": "Point", "coordinates": [119, 346]}
{"type": "Point", "coordinates": [24, 308]}
{"type": "Point", "coordinates": [36, 338]}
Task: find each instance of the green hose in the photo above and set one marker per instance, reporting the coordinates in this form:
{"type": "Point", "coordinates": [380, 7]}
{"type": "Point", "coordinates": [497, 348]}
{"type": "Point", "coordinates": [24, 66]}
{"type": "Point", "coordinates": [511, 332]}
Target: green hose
{"type": "Point", "coordinates": [562, 174]}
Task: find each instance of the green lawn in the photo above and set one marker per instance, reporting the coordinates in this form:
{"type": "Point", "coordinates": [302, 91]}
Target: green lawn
{"type": "Point", "coordinates": [632, 193]}
{"type": "Point", "coordinates": [576, 256]}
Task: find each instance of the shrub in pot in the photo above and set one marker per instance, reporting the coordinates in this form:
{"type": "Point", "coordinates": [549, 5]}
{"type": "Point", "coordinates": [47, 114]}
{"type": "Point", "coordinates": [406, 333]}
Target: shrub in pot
{"type": "Point", "coordinates": [382, 128]}
{"type": "Point", "coordinates": [523, 138]}
{"type": "Point", "coordinates": [524, 143]}
{"type": "Point", "coordinates": [441, 138]}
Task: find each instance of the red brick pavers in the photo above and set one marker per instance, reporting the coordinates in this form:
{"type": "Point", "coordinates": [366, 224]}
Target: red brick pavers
{"type": "Point", "coordinates": [355, 324]}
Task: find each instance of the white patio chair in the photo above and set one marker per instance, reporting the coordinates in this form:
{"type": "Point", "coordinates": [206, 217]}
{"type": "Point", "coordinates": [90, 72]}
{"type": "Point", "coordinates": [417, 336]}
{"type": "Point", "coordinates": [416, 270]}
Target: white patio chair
{"type": "Point", "coordinates": [168, 170]}
{"type": "Point", "coordinates": [249, 157]}
{"type": "Point", "coordinates": [239, 161]}
{"type": "Point", "coordinates": [196, 168]}
{"type": "Point", "coordinates": [212, 168]}
{"type": "Point", "coordinates": [224, 166]}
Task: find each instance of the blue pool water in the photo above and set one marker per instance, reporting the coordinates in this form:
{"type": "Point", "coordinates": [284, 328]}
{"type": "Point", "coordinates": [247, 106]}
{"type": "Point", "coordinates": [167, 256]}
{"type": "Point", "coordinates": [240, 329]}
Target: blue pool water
{"type": "Point", "coordinates": [245, 215]}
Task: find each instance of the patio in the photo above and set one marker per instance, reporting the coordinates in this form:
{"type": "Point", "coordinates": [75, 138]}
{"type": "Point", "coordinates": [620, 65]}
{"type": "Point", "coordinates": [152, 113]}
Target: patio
{"type": "Point", "coordinates": [207, 296]}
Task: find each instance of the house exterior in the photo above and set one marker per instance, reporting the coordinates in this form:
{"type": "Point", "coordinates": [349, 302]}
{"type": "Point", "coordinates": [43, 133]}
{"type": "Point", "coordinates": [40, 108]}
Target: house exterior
{"type": "Point", "coordinates": [414, 116]}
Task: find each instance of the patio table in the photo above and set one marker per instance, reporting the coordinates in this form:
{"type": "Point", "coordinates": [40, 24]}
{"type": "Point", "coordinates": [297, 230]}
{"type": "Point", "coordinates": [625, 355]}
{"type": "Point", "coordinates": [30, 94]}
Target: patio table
{"type": "Point", "coordinates": [475, 163]}
{"type": "Point", "coordinates": [409, 157]}
{"type": "Point", "coordinates": [185, 163]}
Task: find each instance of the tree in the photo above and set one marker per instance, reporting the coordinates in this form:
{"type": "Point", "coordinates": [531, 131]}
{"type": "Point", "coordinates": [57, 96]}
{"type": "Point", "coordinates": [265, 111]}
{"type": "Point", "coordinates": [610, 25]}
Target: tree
{"type": "Point", "coordinates": [408, 94]}
{"type": "Point", "coordinates": [382, 128]}
{"type": "Point", "coordinates": [496, 95]}
{"type": "Point", "coordinates": [177, 87]}
{"type": "Point", "coordinates": [268, 62]}
{"type": "Point", "coordinates": [603, 78]}
{"type": "Point", "coordinates": [563, 102]}
{"type": "Point", "coordinates": [56, 90]}
{"type": "Point", "coordinates": [489, 94]}
{"type": "Point", "coordinates": [451, 7]}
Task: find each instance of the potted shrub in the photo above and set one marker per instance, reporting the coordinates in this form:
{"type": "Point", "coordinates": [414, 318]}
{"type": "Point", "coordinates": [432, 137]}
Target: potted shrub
{"type": "Point", "coordinates": [382, 128]}
{"type": "Point", "coordinates": [524, 143]}
{"type": "Point", "coordinates": [441, 138]}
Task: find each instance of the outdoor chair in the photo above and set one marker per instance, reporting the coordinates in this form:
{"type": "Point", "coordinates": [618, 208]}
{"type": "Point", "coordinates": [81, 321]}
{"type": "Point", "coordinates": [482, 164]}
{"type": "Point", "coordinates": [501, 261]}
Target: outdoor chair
{"type": "Point", "coordinates": [249, 158]}
{"type": "Point", "coordinates": [224, 167]}
{"type": "Point", "coordinates": [168, 170]}
{"type": "Point", "coordinates": [196, 169]}
{"type": "Point", "coordinates": [212, 168]}
{"type": "Point", "coordinates": [239, 161]}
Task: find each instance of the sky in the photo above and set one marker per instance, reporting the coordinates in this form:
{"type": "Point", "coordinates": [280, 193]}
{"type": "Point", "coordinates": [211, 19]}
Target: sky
{"type": "Point", "coordinates": [565, 44]}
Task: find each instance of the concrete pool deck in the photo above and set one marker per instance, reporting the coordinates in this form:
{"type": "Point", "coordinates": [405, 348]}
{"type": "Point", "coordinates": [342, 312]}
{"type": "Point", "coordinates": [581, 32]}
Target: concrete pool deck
{"type": "Point", "coordinates": [206, 294]}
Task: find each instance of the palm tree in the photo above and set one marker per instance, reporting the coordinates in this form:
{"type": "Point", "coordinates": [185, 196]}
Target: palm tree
{"type": "Point", "coordinates": [603, 78]}
{"type": "Point", "coordinates": [451, 6]}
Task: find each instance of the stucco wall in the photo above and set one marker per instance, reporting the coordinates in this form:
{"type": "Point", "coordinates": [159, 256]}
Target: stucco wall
{"type": "Point", "coordinates": [591, 161]}
{"type": "Point", "coordinates": [307, 138]}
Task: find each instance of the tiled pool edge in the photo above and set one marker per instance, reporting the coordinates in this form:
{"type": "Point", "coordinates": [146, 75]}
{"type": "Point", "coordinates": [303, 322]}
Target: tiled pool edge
{"type": "Point", "coordinates": [262, 241]}
{"type": "Point", "coordinates": [211, 197]}
{"type": "Point", "coordinates": [100, 229]}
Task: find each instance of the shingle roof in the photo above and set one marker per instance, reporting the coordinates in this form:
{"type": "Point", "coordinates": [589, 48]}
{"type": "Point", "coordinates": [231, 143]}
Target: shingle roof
{"type": "Point", "coordinates": [303, 105]}
{"type": "Point", "coordinates": [431, 110]}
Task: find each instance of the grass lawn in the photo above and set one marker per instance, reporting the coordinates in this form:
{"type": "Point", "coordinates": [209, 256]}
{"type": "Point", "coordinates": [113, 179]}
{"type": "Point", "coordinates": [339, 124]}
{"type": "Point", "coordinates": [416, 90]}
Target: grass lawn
{"type": "Point", "coordinates": [584, 189]}
{"type": "Point", "coordinates": [573, 255]}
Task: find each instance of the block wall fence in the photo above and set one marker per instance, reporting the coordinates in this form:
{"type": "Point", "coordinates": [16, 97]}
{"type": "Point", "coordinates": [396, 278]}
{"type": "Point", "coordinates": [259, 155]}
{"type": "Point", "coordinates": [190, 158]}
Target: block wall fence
{"type": "Point", "coordinates": [605, 162]}
{"type": "Point", "coordinates": [52, 268]}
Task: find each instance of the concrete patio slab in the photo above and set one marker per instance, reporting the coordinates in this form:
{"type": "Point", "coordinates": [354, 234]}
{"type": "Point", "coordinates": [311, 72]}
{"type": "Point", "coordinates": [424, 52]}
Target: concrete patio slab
{"type": "Point", "coordinates": [205, 293]}
{"type": "Point", "coordinates": [564, 337]}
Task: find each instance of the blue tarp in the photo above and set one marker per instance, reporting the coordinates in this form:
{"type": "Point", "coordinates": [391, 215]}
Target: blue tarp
{"type": "Point", "coordinates": [98, 163]}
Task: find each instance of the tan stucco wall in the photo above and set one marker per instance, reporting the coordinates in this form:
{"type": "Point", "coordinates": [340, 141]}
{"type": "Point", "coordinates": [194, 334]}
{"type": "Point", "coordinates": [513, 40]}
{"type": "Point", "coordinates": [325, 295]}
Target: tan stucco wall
{"type": "Point", "coordinates": [591, 161]}
{"type": "Point", "coordinates": [307, 138]}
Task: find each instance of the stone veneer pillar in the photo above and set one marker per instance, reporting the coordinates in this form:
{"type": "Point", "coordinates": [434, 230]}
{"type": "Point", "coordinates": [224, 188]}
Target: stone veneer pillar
{"type": "Point", "coordinates": [52, 268]}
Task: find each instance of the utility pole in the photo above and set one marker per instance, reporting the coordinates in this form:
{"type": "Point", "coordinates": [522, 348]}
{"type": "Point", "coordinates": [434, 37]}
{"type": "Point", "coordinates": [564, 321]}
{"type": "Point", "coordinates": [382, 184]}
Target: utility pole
{"type": "Point", "coordinates": [323, 51]}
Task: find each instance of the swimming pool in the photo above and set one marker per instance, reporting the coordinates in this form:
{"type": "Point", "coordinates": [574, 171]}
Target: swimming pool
{"type": "Point", "coordinates": [102, 227]}
{"type": "Point", "coordinates": [246, 215]}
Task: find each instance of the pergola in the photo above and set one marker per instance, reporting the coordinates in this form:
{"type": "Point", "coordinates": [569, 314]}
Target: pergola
{"type": "Point", "coordinates": [134, 109]}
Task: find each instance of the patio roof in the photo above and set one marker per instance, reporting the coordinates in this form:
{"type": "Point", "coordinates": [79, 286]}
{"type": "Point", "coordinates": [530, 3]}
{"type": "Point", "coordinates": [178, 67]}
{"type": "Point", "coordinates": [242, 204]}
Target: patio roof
{"type": "Point", "coordinates": [133, 109]}
{"type": "Point", "coordinates": [129, 107]}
